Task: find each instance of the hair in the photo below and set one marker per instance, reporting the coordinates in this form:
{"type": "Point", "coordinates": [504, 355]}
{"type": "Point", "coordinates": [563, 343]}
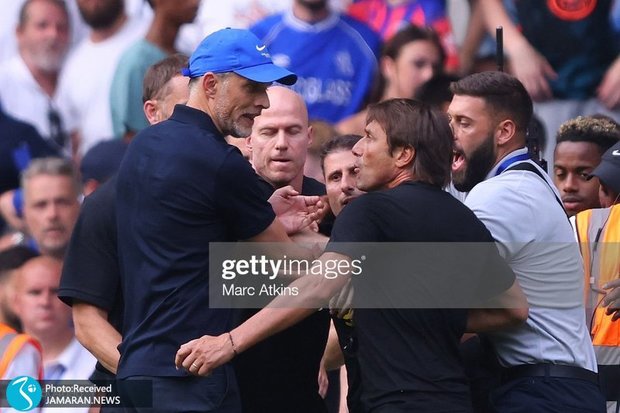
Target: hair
{"type": "Point", "coordinates": [599, 130]}
{"type": "Point", "coordinates": [503, 94]}
{"type": "Point", "coordinates": [393, 47]}
{"type": "Point", "coordinates": [159, 74]}
{"type": "Point", "coordinates": [407, 122]}
{"type": "Point", "coordinates": [436, 90]}
{"type": "Point", "coordinates": [23, 11]}
{"type": "Point", "coordinates": [337, 144]}
{"type": "Point", "coordinates": [51, 166]}
{"type": "Point", "coordinates": [14, 257]}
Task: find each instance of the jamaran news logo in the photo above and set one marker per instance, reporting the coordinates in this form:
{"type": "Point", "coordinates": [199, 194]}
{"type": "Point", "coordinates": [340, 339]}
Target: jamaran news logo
{"type": "Point", "coordinates": [23, 393]}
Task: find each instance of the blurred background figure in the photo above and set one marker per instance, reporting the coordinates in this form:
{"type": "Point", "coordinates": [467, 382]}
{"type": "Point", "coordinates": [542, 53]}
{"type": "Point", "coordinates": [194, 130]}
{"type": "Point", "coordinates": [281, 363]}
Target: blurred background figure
{"type": "Point", "coordinates": [333, 55]}
{"type": "Point", "coordinates": [84, 90]}
{"type": "Point", "coordinates": [28, 81]}
{"type": "Point", "coordinates": [48, 319]}
{"type": "Point", "coordinates": [51, 204]}
{"type": "Point", "coordinates": [19, 144]}
{"type": "Point", "coordinates": [566, 55]}
{"type": "Point", "coordinates": [20, 353]}
{"type": "Point", "coordinates": [126, 97]}
{"type": "Point", "coordinates": [100, 163]}
{"type": "Point", "coordinates": [323, 132]}
{"type": "Point", "coordinates": [410, 58]}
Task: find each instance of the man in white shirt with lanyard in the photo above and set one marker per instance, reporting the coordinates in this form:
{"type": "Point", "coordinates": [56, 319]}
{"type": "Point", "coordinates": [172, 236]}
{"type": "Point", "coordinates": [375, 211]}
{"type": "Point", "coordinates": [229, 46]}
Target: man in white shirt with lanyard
{"type": "Point", "coordinates": [548, 362]}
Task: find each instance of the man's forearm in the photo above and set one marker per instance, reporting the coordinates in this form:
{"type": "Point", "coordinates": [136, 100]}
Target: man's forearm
{"type": "Point", "coordinates": [94, 332]}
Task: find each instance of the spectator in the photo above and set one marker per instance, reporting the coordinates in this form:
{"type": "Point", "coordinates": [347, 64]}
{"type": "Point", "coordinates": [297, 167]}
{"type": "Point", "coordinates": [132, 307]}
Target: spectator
{"type": "Point", "coordinates": [19, 144]}
{"type": "Point", "coordinates": [28, 81]}
{"type": "Point", "coordinates": [23, 351]}
{"type": "Point", "coordinates": [333, 55]}
{"type": "Point", "coordinates": [51, 206]}
{"type": "Point", "coordinates": [410, 58]}
{"type": "Point", "coordinates": [48, 319]}
{"type": "Point", "coordinates": [126, 91]}
{"type": "Point", "coordinates": [85, 104]}
{"type": "Point", "coordinates": [566, 56]}
{"type": "Point", "coordinates": [580, 144]}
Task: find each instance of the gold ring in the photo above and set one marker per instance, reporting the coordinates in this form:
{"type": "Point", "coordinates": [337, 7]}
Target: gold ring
{"type": "Point", "coordinates": [195, 365]}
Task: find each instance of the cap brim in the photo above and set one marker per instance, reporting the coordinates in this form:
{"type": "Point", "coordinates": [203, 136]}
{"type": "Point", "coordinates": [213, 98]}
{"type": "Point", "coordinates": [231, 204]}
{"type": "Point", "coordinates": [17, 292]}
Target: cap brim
{"type": "Point", "coordinates": [609, 174]}
{"type": "Point", "coordinates": [267, 73]}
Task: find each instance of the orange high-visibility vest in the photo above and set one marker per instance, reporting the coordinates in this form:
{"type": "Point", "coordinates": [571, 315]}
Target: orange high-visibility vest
{"type": "Point", "coordinates": [599, 237]}
{"type": "Point", "coordinates": [11, 342]}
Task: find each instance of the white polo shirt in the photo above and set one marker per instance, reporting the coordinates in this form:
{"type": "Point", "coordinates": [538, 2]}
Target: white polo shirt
{"type": "Point", "coordinates": [536, 239]}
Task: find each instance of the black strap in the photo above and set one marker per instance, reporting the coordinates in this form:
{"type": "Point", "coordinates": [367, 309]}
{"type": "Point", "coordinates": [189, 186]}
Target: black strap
{"type": "Point", "coordinates": [526, 166]}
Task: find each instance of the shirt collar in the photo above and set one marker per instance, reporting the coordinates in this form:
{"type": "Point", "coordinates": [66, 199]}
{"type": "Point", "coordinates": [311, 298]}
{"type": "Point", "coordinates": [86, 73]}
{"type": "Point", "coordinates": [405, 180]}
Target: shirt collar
{"type": "Point", "coordinates": [510, 155]}
{"type": "Point", "coordinates": [187, 114]}
{"type": "Point", "coordinates": [69, 355]}
{"type": "Point", "coordinates": [330, 21]}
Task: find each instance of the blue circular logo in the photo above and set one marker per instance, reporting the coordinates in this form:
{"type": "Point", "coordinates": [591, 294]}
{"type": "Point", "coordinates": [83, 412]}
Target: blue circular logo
{"type": "Point", "coordinates": [23, 393]}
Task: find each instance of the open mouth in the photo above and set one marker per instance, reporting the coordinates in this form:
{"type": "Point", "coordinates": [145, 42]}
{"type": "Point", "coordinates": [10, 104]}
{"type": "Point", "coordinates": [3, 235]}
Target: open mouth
{"type": "Point", "coordinates": [458, 159]}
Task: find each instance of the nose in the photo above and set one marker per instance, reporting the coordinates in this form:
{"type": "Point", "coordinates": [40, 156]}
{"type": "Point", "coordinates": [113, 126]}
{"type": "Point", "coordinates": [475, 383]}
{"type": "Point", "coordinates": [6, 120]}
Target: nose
{"type": "Point", "coordinates": [357, 148]}
{"type": "Point", "coordinates": [52, 211]}
{"type": "Point", "coordinates": [570, 184]}
{"type": "Point", "coordinates": [262, 99]}
{"type": "Point", "coordinates": [347, 184]}
{"type": "Point", "coordinates": [281, 140]}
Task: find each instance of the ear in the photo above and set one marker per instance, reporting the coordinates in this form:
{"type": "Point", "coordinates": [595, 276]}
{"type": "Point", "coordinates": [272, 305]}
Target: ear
{"type": "Point", "coordinates": [150, 111]}
{"type": "Point", "coordinates": [404, 156]}
{"type": "Point", "coordinates": [505, 132]}
{"type": "Point", "coordinates": [209, 84]}
{"type": "Point", "coordinates": [310, 135]}
{"type": "Point", "coordinates": [248, 143]}
{"type": "Point", "coordinates": [387, 67]}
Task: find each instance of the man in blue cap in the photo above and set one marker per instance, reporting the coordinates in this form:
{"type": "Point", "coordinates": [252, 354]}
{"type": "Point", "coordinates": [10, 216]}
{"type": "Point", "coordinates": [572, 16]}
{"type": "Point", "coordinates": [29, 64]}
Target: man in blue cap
{"type": "Point", "coordinates": [181, 186]}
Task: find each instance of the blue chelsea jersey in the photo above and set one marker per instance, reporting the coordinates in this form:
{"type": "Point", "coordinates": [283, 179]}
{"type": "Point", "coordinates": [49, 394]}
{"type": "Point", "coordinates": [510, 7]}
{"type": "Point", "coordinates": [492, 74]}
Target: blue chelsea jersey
{"type": "Point", "coordinates": [335, 60]}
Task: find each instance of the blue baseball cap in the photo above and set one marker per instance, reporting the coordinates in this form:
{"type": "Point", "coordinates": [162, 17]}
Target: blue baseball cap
{"type": "Point", "coordinates": [238, 51]}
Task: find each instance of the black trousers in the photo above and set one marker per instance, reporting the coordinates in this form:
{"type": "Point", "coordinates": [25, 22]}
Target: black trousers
{"type": "Point", "coordinates": [217, 392]}
{"type": "Point", "coordinates": [547, 395]}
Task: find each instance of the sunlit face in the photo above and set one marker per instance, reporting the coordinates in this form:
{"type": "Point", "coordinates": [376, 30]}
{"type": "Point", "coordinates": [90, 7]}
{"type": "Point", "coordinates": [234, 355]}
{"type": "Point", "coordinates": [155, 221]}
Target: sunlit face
{"type": "Point", "coordinates": [574, 161]}
{"type": "Point", "coordinates": [416, 63]}
{"type": "Point", "coordinates": [44, 37]}
{"type": "Point", "coordinates": [176, 91]}
{"type": "Point", "coordinates": [50, 210]}
{"type": "Point", "coordinates": [280, 138]}
{"type": "Point", "coordinates": [377, 167]}
{"type": "Point", "coordinates": [474, 143]}
{"type": "Point", "coordinates": [237, 102]}
{"type": "Point", "coordinates": [36, 301]}
{"type": "Point", "coordinates": [340, 173]}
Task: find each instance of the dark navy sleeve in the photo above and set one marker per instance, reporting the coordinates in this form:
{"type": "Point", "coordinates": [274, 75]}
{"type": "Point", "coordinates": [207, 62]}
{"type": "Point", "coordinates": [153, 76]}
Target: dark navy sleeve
{"type": "Point", "coordinates": [91, 271]}
{"type": "Point", "coordinates": [240, 197]}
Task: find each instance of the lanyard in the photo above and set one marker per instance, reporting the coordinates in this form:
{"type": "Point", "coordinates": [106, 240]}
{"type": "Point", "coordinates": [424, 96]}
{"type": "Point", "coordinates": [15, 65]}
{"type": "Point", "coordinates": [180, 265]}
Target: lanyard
{"type": "Point", "coordinates": [504, 165]}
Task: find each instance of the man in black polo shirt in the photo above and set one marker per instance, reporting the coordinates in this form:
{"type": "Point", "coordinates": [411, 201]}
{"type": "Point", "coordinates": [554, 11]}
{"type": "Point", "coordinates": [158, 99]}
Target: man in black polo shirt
{"type": "Point", "coordinates": [180, 187]}
{"type": "Point", "coordinates": [280, 373]}
{"type": "Point", "coordinates": [408, 356]}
